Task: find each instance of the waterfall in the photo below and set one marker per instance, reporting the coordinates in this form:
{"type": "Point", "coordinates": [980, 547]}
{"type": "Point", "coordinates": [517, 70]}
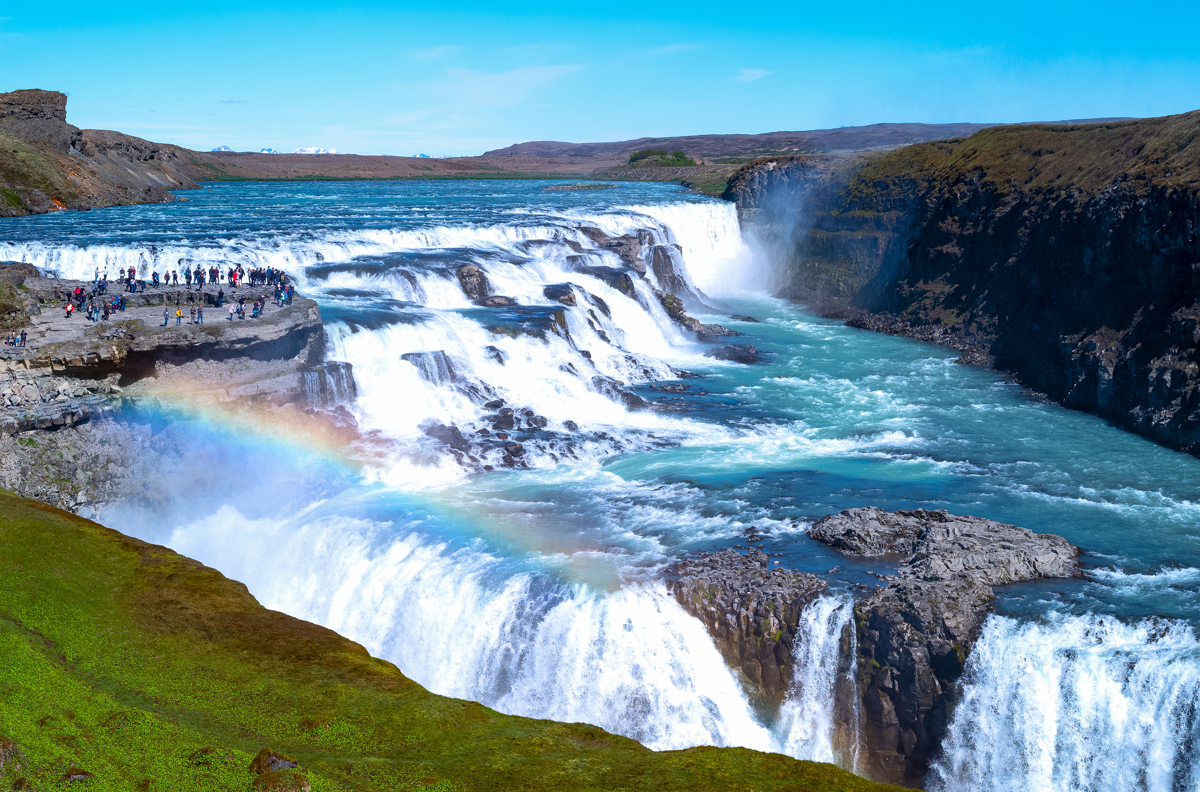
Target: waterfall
{"type": "Point", "coordinates": [1078, 703]}
{"type": "Point", "coordinates": [470, 625]}
{"type": "Point", "coordinates": [823, 684]}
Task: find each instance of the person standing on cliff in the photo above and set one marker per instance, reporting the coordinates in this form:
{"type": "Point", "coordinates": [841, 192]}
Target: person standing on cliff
{"type": "Point", "coordinates": [22, 336]}
{"type": "Point", "coordinates": [166, 316]}
{"type": "Point", "coordinates": [178, 315]}
{"type": "Point", "coordinates": [232, 308]}
{"type": "Point", "coordinates": [200, 313]}
{"type": "Point", "coordinates": [192, 315]}
{"type": "Point", "coordinates": [220, 297]}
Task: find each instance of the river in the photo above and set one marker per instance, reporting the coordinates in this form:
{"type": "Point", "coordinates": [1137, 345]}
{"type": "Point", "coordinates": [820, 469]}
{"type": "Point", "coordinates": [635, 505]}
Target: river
{"type": "Point", "coordinates": [534, 590]}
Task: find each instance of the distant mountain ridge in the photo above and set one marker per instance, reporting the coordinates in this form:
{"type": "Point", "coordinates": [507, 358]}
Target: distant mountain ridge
{"type": "Point", "coordinates": [851, 138]}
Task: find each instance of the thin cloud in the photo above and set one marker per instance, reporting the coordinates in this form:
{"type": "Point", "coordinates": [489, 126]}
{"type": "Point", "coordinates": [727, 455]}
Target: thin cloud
{"type": "Point", "coordinates": [750, 75]}
{"type": "Point", "coordinates": [234, 101]}
{"type": "Point", "coordinates": [433, 53]}
{"type": "Point", "coordinates": [475, 88]}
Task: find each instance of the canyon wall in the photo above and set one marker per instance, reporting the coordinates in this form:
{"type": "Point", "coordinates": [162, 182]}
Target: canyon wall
{"type": "Point", "coordinates": [48, 164]}
{"type": "Point", "coordinates": [1066, 255]}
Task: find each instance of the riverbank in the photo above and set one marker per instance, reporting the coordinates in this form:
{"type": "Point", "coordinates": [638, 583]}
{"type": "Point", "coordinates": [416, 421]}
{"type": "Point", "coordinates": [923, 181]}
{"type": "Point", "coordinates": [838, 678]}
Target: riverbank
{"type": "Point", "coordinates": [1061, 254]}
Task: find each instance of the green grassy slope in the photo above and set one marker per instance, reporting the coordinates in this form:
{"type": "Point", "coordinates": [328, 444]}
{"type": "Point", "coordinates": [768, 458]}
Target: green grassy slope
{"type": "Point", "coordinates": [1039, 158]}
{"type": "Point", "coordinates": [152, 672]}
{"type": "Point", "coordinates": [25, 168]}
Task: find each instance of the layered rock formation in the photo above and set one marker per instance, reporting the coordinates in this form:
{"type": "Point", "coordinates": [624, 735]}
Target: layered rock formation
{"type": "Point", "coordinates": [48, 164]}
{"type": "Point", "coordinates": [911, 636]}
{"type": "Point", "coordinates": [751, 610]}
{"type": "Point", "coordinates": [1064, 254]}
{"type": "Point", "coordinates": [81, 422]}
{"type": "Point", "coordinates": [915, 633]}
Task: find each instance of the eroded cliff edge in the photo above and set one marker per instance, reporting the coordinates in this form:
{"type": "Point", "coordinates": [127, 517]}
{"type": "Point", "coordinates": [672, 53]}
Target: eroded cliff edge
{"type": "Point", "coordinates": [48, 164]}
{"type": "Point", "coordinates": [1066, 255]}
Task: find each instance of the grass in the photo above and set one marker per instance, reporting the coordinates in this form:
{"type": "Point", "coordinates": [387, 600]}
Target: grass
{"type": "Point", "coordinates": [150, 671]}
{"type": "Point", "coordinates": [660, 158]}
{"type": "Point", "coordinates": [25, 168]}
{"type": "Point", "coordinates": [1038, 158]}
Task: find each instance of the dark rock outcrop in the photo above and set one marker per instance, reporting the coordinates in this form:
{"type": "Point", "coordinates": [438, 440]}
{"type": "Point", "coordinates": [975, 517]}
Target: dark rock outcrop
{"type": "Point", "coordinates": [561, 293]}
{"type": "Point", "coordinates": [735, 353]}
{"type": "Point", "coordinates": [914, 634]}
{"type": "Point", "coordinates": [473, 282]}
{"type": "Point", "coordinates": [749, 608]}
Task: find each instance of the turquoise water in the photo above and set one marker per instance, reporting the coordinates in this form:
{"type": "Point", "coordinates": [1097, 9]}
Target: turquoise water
{"type": "Point", "coordinates": [534, 591]}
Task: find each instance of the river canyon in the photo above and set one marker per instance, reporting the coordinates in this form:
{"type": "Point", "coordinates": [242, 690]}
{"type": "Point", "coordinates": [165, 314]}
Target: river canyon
{"type": "Point", "coordinates": [558, 411]}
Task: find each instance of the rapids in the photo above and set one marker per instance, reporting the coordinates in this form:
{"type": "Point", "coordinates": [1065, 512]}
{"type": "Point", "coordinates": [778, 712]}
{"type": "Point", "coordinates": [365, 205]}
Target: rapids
{"type": "Point", "coordinates": [533, 590]}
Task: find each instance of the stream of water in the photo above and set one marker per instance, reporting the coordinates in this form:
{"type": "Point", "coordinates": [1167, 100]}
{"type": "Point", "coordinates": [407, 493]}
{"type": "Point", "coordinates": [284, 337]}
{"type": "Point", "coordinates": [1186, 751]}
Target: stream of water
{"type": "Point", "coordinates": [534, 591]}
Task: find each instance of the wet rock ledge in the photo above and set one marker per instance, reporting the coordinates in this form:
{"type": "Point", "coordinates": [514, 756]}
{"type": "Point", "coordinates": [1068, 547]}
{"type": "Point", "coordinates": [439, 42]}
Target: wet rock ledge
{"type": "Point", "coordinates": [749, 608]}
{"type": "Point", "coordinates": [912, 635]}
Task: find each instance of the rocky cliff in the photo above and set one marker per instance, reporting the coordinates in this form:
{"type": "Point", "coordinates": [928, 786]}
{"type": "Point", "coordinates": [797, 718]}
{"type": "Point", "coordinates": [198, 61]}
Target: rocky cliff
{"type": "Point", "coordinates": [911, 636]}
{"type": "Point", "coordinates": [1067, 255]}
{"type": "Point", "coordinates": [86, 408]}
{"type": "Point", "coordinates": [48, 164]}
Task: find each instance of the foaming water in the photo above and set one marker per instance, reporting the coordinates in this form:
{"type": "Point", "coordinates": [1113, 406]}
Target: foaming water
{"type": "Point", "coordinates": [533, 590]}
{"type": "Point", "coordinates": [1077, 703]}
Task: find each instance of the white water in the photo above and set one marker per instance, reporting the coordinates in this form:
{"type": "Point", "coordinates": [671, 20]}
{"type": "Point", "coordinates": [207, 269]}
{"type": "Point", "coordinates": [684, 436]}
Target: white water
{"type": "Point", "coordinates": [1078, 703]}
{"type": "Point", "coordinates": [805, 717]}
{"type": "Point", "coordinates": [464, 623]}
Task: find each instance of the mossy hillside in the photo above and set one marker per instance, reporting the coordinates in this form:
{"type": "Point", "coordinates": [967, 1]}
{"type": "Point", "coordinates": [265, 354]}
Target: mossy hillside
{"type": "Point", "coordinates": [153, 672]}
{"type": "Point", "coordinates": [25, 168]}
{"type": "Point", "coordinates": [1041, 159]}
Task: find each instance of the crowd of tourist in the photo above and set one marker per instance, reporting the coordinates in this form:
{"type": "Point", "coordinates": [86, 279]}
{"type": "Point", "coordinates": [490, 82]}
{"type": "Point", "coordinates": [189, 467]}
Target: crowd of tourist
{"type": "Point", "coordinates": [98, 306]}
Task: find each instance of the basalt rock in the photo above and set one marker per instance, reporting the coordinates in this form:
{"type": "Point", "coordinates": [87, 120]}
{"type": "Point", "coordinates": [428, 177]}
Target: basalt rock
{"type": "Point", "coordinates": [561, 293]}
{"type": "Point", "coordinates": [750, 609]}
{"type": "Point", "coordinates": [735, 353]}
{"type": "Point", "coordinates": [914, 634]}
{"type": "Point", "coordinates": [47, 164]}
{"type": "Point", "coordinates": [496, 301]}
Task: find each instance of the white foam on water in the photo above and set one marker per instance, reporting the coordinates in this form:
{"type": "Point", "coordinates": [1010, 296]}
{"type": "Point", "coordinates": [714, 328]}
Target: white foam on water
{"type": "Point", "coordinates": [462, 624]}
{"type": "Point", "coordinates": [1077, 704]}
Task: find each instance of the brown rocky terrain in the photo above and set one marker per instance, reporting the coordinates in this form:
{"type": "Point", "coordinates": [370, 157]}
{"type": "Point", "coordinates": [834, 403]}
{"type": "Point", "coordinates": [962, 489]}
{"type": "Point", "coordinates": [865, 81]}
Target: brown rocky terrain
{"type": "Point", "coordinates": [1065, 255]}
{"type": "Point", "coordinates": [48, 164]}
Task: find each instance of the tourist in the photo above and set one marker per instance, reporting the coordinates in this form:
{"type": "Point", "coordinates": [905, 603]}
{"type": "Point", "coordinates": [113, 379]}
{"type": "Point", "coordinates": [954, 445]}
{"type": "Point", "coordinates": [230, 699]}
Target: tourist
{"type": "Point", "coordinates": [178, 315]}
{"type": "Point", "coordinates": [232, 310]}
{"type": "Point", "coordinates": [22, 336]}
{"type": "Point", "coordinates": [192, 315]}
{"type": "Point", "coordinates": [220, 296]}
{"type": "Point", "coordinates": [69, 308]}
{"type": "Point", "coordinates": [166, 316]}
{"type": "Point", "coordinates": [155, 278]}
{"type": "Point", "coordinates": [200, 314]}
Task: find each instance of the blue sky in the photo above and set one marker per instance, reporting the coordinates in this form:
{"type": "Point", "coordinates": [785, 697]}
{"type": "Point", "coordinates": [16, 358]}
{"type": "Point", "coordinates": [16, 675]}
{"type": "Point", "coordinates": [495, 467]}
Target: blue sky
{"type": "Point", "coordinates": [462, 78]}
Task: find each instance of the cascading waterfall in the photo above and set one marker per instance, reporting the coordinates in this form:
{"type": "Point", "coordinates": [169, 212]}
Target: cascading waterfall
{"type": "Point", "coordinates": [1077, 703]}
{"type": "Point", "coordinates": [467, 624]}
